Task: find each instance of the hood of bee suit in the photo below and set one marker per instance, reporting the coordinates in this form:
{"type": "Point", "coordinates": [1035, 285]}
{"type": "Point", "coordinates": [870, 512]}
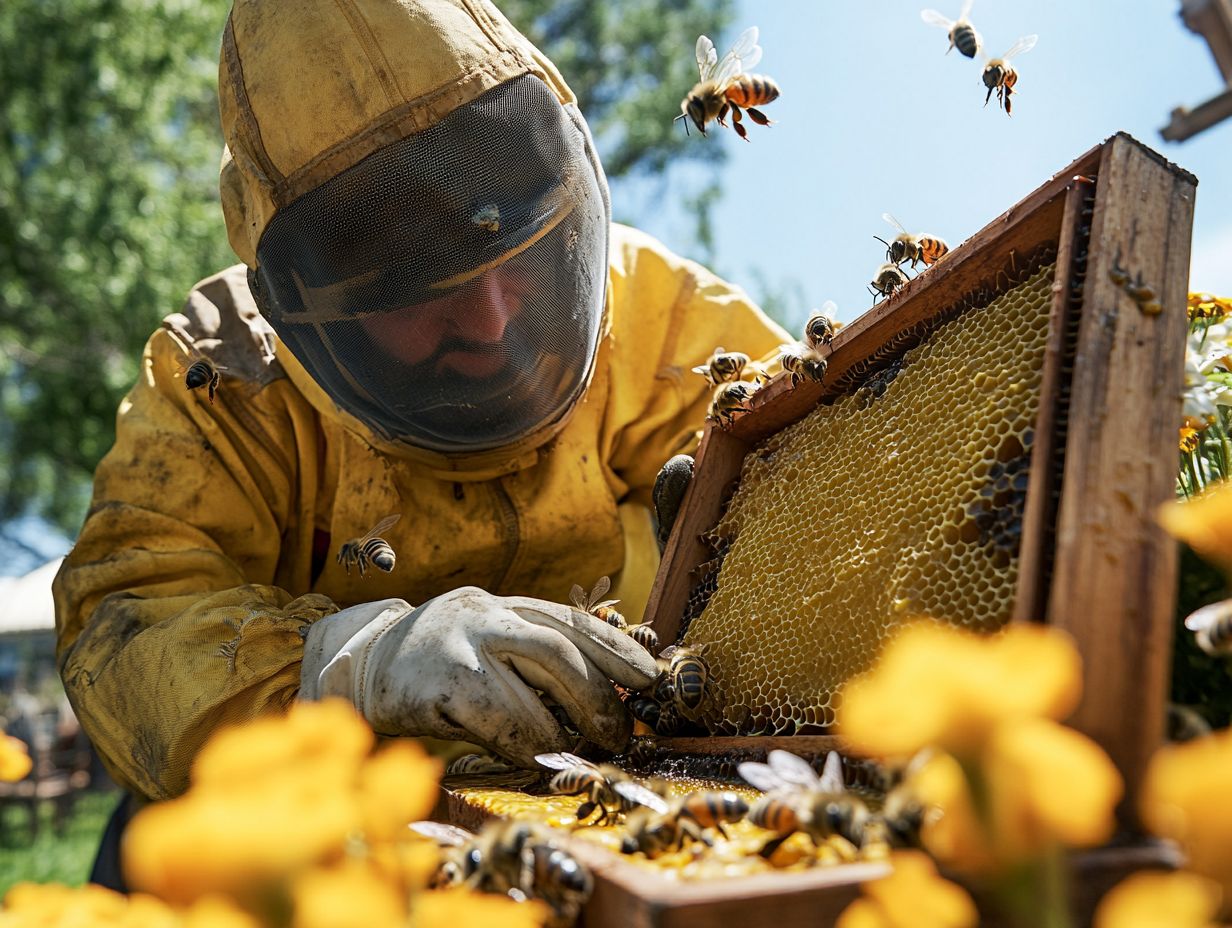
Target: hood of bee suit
{"type": "Point", "coordinates": [424, 219]}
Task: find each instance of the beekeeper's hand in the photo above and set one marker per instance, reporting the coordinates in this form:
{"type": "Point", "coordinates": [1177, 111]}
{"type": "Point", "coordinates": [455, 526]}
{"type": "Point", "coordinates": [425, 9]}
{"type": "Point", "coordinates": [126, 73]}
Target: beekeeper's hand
{"type": "Point", "coordinates": [465, 666]}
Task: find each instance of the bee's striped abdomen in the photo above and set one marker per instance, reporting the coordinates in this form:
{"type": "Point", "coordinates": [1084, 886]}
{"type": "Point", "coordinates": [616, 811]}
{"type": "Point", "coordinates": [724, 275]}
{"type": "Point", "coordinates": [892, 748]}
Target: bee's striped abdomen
{"type": "Point", "coordinates": [752, 90]}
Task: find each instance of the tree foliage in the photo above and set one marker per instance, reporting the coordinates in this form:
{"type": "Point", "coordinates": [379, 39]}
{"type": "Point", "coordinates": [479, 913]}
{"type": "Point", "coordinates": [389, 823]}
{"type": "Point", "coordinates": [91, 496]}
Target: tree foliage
{"type": "Point", "coordinates": [109, 148]}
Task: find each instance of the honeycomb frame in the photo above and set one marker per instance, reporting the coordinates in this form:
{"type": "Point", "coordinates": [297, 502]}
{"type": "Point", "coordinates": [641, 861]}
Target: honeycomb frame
{"type": "Point", "coordinates": [1092, 560]}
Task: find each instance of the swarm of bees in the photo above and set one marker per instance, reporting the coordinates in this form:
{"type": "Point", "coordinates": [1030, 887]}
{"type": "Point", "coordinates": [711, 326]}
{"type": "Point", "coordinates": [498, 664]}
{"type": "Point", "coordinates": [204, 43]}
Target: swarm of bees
{"type": "Point", "coordinates": [726, 85]}
{"type": "Point", "coordinates": [998, 74]}
{"type": "Point", "coordinates": [603, 609]}
{"type": "Point", "coordinates": [517, 859]}
{"type": "Point", "coordinates": [798, 800]}
{"type": "Point", "coordinates": [1212, 628]}
{"type": "Point", "coordinates": [370, 548]}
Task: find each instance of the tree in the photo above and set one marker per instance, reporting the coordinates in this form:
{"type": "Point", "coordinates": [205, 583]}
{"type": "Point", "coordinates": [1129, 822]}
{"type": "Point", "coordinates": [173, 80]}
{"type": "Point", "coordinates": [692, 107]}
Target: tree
{"type": "Point", "coordinates": [109, 148]}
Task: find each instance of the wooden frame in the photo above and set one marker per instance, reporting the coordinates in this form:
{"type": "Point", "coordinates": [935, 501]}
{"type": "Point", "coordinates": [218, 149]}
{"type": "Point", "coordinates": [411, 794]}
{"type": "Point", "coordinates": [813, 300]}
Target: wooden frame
{"type": "Point", "coordinates": [1092, 561]}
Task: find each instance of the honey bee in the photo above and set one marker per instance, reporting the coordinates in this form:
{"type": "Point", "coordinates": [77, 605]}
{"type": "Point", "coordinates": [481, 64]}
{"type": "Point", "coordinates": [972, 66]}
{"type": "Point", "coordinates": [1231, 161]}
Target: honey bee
{"type": "Point", "coordinates": [653, 834]}
{"type": "Point", "coordinates": [370, 548]}
{"type": "Point", "coordinates": [518, 859]}
{"type": "Point", "coordinates": [819, 330]}
{"type": "Point", "coordinates": [682, 818]}
{"type": "Point", "coordinates": [962, 34]}
{"type": "Point", "coordinates": [688, 674]}
{"type": "Point", "coordinates": [913, 248]}
{"type": "Point", "coordinates": [903, 813]}
{"type": "Point", "coordinates": [726, 84]}
{"type": "Point", "coordinates": [802, 363]}
{"type": "Point", "coordinates": [723, 366]}
{"type": "Point", "coordinates": [798, 800]}
{"type": "Point", "coordinates": [592, 604]}
{"type": "Point", "coordinates": [476, 764]}
{"type": "Point", "coordinates": [999, 76]}
{"type": "Point", "coordinates": [646, 710]}
{"type": "Point", "coordinates": [1212, 627]}
{"type": "Point", "coordinates": [889, 278]}
{"type": "Point", "coordinates": [202, 372]}
{"type": "Point", "coordinates": [728, 402]}
{"type": "Point", "coordinates": [644, 635]}
{"type": "Point", "coordinates": [579, 776]}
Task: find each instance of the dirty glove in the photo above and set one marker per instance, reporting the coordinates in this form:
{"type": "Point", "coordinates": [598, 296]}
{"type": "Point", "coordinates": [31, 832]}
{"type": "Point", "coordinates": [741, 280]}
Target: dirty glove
{"type": "Point", "coordinates": [668, 494]}
{"type": "Point", "coordinates": [465, 666]}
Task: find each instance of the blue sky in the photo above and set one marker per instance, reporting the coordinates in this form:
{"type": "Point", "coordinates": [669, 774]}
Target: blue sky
{"type": "Point", "coordinates": [875, 117]}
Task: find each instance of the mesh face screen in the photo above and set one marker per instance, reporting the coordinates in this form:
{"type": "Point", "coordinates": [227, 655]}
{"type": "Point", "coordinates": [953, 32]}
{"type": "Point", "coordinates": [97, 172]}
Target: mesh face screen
{"type": "Point", "coordinates": [448, 289]}
{"type": "Point", "coordinates": [904, 497]}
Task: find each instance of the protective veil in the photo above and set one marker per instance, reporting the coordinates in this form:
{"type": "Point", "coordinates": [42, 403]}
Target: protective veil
{"type": "Point", "coordinates": [447, 291]}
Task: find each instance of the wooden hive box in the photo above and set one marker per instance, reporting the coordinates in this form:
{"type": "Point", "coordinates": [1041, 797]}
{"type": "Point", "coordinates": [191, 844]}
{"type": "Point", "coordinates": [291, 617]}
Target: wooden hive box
{"type": "Point", "coordinates": [1102, 456]}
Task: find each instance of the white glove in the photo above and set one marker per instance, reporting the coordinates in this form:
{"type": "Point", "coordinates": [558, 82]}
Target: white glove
{"type": "Point", "coordinates": [465, 667]}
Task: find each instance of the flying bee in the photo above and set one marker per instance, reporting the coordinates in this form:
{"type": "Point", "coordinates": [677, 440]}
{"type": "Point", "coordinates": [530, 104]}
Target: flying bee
{"type": "Point", "coordinates": [518, 859]}
{"type": "Point", "coordinates": [802, 363]}
{"type": "Point", "coordinates": [999, 76]}
{"type": "Point", "coordinates": [688, 673]}
{"type": "Point", "coordinates": [592, 604]}
{"type": "Point", "coordinates": [370, 548]}
{"type": "Point", "coordinates": [723, 366]}
{"type": "Point", "coordinates": [726, 85]}
{"type": "Point", "coordinates": [819, 330]}
{"type": "Point", "coordinates": [889, 278]}
{"type": "Point", "coordinates": [1212, 627]}
{"type": "Point", "coordinates": [913, 248]}
{"type": "Point", "coordinates": [962, 34]}
{"type": "Point", "coordinates": [644, 635]}
{"type": "Point", "coordinates": [728, 402]}
{"type": "Point", "coordinates": [202, 372]}
{"type": "Point", "coordinates": [599, 783]}
{"type": "Point", "coordinates": [798, 800]}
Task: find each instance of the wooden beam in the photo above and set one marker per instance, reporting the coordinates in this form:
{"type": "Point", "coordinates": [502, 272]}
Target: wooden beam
{"type": "Point", "coordinates": [1115, 570]}
{"type": "Point", "coordinates": [1186, 123]}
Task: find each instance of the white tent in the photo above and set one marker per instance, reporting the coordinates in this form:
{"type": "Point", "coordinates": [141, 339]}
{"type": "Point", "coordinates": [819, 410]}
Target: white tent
{"type": "Point", "coordinates": [25, 602]}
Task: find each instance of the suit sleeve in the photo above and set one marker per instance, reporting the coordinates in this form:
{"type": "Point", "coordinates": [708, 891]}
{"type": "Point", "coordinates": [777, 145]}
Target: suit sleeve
{"type": "Point", "coordinates": [669, 316]}
{"type": "Point", "coordinates": [167, 619]}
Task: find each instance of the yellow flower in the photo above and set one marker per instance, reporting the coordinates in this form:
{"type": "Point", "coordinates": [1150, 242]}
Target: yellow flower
{"type": "Point", "coordinates": [1184, 798]}
{"type": "Point", "coordinates": [455, 908]}
{"type": "Point", "coordinates": [1048, 785]}
{"type": "Point", "coordinates": [396, 787]}
{"type": "Point", "coordinates": [15, 760]}
{"type": "Point", "coordinates": [28, 905]}
{"type": "Point", "coordinates": [1188, 440]}
{"type": "Point", "coordinates": [955, 836]}
{"type": "Point", "coordinates": [913, 896]}
{"type": "Point", "coordinates": [329, 736]}
{"type": "Point", "coordinates": [1160, 900]}
{"type": "Point", "coordinates": [937, 685]}
{"type": "Point", "coordinates": [1206, 306]}
{"type": "Point", "coordinates": [352, 895]}
{"type": "Point", "coordinates": [1204, 523]}
{"type": "Point", "coordinates": [210, 841]}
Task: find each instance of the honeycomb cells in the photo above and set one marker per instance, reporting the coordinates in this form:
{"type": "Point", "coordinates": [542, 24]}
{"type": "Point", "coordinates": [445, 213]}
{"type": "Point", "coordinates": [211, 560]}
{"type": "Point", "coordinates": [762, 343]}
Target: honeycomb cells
{"type": "Point", "coordinates": [901, 498]}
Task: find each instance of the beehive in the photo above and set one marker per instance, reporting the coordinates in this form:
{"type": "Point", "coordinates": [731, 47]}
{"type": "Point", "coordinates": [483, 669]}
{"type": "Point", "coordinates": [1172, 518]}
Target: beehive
{"type": "Point", "coordinates": [900, 496]}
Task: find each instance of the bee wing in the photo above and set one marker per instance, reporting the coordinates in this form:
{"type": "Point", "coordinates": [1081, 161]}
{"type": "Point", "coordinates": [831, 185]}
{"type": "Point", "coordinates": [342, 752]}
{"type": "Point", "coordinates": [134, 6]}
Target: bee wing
{"type": "Point", "coordinates": [829, 308]}
{"type": "Point", "coordinates": [832, 774]}
{"type": "Point", "coordinates": [707, 57]}
{"type": "Point", "coordinates": [703, 369]}
{"type": "Point", "coordinates": [933, 18]}
{"type": "Point", "coordinates": [602, 585]}
{"type": "Point", "coordinates": [381, 526]}
{"type": "Point", "coordinates": [635, 792]}
{"type": "Point", "coordinates": [562, 761]}
{"type": "Point", "coordinates": [667, 652]}
{"type": "Point", "coordinates": [793, 769]}
{"type": "Point", "coordinates": [894, 222]}
{"type": "Point", "coordinates": [966, 10]}
{"type": "Point", "coordinates": [1023, 45]}
{"type": "Point", "coordinates": [763, 777]}
{"type": "Point", "coordinates": [442, 834]}
{"type": "Point", "coordinates": [606, 602]}
{"type": "Point", "coordinates": [1207, 615]}
{"type": "Point", "coordinates": [742, 56]}
{"type": "Point", "coordinates": [577, 596]}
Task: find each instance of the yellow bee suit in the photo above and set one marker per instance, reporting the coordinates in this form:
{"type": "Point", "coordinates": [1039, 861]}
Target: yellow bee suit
{"type": "Point", "coordinates": [183, 603]}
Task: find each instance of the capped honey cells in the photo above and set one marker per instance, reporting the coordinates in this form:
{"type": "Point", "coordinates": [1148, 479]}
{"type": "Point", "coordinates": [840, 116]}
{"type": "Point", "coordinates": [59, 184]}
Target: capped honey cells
{"type": "Point", "coordinates": [900, 497]}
